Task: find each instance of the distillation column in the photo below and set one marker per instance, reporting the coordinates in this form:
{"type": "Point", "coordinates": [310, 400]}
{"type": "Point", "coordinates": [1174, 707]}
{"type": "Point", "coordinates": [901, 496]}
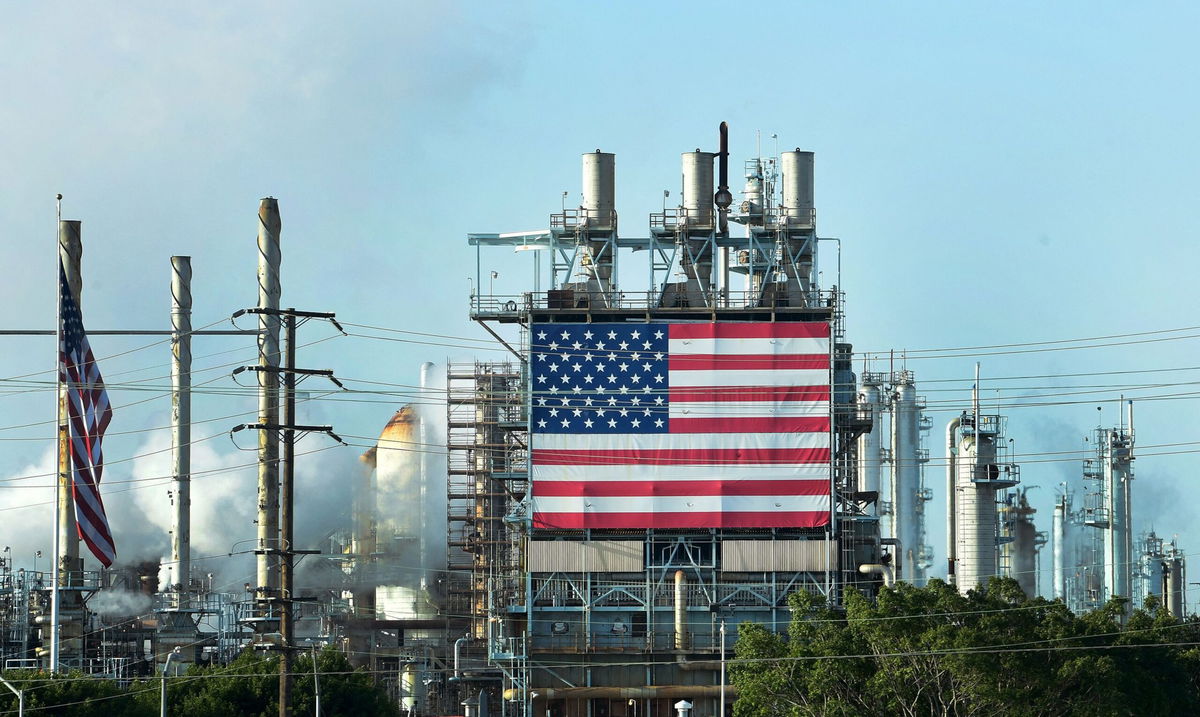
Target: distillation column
{"type": "Point", "coordinates": [1060, 548]}
{"type": "Point", "coordinates": [1021, 552]}
{"type": "Point", "coordinates": [906, 476]}
{"type": "Point", "coordinates": [1117, 456]}
{"type": "Point", "coordinates": [870, 453]}
{"type": "Point", "coordinates": [977, 476]}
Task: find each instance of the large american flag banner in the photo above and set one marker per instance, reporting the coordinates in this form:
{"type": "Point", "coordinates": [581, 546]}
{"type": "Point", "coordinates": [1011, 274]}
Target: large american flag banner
{"type": "Point", "coordinates": [685, 425]}
{"type": "Point", "coordinates": [88, 414]}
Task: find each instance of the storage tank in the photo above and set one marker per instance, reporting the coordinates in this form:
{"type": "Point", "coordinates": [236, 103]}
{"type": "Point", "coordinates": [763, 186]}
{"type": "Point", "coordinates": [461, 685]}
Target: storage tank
{"type": "Point", "coordinates": [599, 189]}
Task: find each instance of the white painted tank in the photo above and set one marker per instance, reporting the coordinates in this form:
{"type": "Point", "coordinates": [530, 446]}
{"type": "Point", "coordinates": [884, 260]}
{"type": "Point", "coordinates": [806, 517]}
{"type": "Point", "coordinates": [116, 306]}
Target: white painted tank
{"type": "Point", "coordinates": [599, 189]}
{"type": "Point", "coordinates": [906, 476]}
{"type": "Point", "coordinates": [975, 512]}
{"type": "Point", "coordinates": [797, 170]}
{"type": "Point", "coordinates": [698, 187]}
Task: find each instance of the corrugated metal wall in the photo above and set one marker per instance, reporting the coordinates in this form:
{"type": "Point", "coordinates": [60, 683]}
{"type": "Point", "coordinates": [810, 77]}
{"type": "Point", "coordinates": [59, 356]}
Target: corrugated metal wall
{"type": "Point", "coordinates": [570, 556]}
{"type": "Point", "coordinates": [785, 556]}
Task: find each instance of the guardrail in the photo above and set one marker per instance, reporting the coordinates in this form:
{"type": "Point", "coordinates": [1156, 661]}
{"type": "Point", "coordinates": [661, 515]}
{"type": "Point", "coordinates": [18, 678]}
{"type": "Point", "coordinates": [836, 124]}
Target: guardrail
{"type": "Point", "coordinates": [570, 299]}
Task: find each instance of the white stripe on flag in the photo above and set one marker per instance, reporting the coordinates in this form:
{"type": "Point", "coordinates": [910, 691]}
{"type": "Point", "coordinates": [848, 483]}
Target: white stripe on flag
{"type": "Point", "coordinates": [747, 409]}
{"type": "Point", "coordinates": [800, 377]}
{"type": "Point", "coordinates": [733, 347]}
{"type": "Point", "coordinates": [665, 441]}
{"type": "Point", "coordinates": [678, 504]}
{"type": "Point", "coordinates": [800, 471]}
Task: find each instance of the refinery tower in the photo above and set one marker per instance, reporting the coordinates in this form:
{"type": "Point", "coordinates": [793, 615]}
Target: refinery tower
{"type": "Point", "coordinates": [670, 452]}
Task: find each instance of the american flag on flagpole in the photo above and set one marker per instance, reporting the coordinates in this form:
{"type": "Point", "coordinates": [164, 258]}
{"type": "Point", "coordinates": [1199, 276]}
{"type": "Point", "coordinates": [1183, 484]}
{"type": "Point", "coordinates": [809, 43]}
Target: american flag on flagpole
{"type": "Point", "coordinates": [656, 425]}
{"type": "Point", "coordinates": [88, 413]}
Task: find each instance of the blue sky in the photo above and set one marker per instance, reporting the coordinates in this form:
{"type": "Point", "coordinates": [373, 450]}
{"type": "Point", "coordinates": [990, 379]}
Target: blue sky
{"type": "Point", "coordinates": [997, 174]}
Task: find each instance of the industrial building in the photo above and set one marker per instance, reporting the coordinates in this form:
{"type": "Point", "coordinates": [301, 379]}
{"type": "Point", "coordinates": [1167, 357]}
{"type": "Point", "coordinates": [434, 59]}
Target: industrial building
{"type": "Point", "coordinates": [595, 592]}
{"type": "Point", "coordinates": [668, 451]}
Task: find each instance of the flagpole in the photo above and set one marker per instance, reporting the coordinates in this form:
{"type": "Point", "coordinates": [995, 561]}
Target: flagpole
{"type": "Point", "coordinates": [58, 443]}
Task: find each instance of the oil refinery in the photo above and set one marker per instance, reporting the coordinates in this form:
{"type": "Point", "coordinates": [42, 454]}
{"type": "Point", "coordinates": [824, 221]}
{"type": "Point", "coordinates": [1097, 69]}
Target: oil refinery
{"type": "Point", "coordinates": [676, 440]}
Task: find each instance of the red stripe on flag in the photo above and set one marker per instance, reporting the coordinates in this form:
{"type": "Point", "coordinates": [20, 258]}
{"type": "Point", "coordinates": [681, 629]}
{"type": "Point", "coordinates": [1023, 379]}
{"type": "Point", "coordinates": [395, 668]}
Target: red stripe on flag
{"type": "Point", "coordinates": [763, 519]}
{"type": "Point", "coordinates": [761, 330]}
{"type": "Point", "coordinates": [602, 489]}
{"type": "Point", "coordinates": [747, 362]}
{"type": "Point", "coordinates": [747, 393]}
{"type": "Point", "coordinates": [681, 456]}
{"type": "Point", "coordinates": [782, 424]}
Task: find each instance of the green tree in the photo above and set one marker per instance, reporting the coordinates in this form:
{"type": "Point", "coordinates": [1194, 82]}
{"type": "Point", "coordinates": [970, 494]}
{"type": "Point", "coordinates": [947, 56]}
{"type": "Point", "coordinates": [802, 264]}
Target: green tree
{"type": "Point", "coordinates": [72, 694]}
{"type": "Point", "coordinates": [246, 687]}
{"type": "Point", "coordinates": [249, 687]}
{"type": "Point", "coordinates": [930, 650]}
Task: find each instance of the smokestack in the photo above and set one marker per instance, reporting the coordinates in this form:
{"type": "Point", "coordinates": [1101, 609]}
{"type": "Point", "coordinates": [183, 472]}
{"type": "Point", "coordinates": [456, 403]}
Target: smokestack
{"type": "Point", "coordinates": [181, 421]}
{"type": "Point", "coordinates": [599, 189]}
{"type": "Point", "coordinates": [269, 227]}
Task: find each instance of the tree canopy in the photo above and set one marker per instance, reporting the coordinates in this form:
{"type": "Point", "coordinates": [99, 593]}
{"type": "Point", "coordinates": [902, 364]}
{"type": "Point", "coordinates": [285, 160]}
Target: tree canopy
{"type": "Point", "coordinates": [246, 687]}
{"type": "Point", "coordinates": [930, 650]}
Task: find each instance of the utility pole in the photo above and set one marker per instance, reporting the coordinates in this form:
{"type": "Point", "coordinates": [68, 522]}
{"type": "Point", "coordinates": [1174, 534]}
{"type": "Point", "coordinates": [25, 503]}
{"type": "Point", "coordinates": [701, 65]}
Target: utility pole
{"type": "Point", "coordinates": [286, 503]}
{"type": "Point", "coordinates": [271, 377]}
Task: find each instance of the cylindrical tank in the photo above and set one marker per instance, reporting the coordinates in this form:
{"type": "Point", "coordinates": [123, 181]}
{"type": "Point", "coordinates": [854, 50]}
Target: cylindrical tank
{"type": "Point", "coordinates": [698, 187]}
{"type": "Point", "coordinates": [906, 475]}
{"type": "Point", "coordinates": [410, 688]}
{"type": "Point", "coordinates": [869, 446]}
{"type": "Point", "coordinates": [1060, 539]}
{"type": "Point", "coordinates": [599, 189]}
{"type": "Point", "coordinates": [797, 170]}
{"type": "Point", "coordinates": [975, 511]}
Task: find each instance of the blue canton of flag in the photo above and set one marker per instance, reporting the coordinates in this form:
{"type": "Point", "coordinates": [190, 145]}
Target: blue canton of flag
{"type": "Point", "coordinates": [599, 378]}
